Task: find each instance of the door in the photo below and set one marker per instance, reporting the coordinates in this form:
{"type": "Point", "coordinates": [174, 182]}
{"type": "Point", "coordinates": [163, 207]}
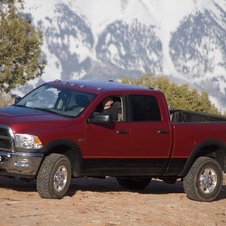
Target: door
{"type": "Point", "coordinates": [106, 145]}
{"type": "Point", "coordinates": [150, 137]}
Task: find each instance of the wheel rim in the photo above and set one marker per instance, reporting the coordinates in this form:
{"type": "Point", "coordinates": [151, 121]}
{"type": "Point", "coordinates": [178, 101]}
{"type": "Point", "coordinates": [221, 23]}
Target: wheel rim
{"type": "Point", "coordinates": [207, 180]}
{"type": "Point", "coordinates": [60, 178]}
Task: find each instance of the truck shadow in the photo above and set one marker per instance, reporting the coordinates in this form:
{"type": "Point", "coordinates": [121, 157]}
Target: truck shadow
{"type": "Point", "coordinates": [111, 185]}
{"type": "Point", "coordinates": [102, 186]}
{"type": "Point", "coordinates": [17, 185]}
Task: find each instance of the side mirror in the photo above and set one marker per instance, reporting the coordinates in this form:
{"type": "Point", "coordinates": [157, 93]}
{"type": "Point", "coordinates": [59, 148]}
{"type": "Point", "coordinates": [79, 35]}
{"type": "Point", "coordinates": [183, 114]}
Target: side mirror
{"type": "Point", "coordinates": [17, 99]}
{"type": "Point", "coordinates": [101, 118]}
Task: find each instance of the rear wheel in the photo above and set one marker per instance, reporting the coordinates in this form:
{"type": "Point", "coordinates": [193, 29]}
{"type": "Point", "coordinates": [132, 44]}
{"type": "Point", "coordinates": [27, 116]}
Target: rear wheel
{"type": "Point", "coordinates": [54, 176]}
{"type": "Point", "coordinates": [134, 184]}
{"type": "Point", "coordinates": [204, 180]}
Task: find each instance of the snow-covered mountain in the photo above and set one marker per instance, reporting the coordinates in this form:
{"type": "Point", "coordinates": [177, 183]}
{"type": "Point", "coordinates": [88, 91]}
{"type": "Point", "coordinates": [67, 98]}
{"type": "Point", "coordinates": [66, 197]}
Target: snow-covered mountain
{"type": "Point", "coordinates": [111, 39]}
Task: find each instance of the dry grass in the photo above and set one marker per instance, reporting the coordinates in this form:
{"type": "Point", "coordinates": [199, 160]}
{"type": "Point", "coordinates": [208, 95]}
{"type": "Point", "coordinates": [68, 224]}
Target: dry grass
{"type": "Point", "coordinates": [6, 99]}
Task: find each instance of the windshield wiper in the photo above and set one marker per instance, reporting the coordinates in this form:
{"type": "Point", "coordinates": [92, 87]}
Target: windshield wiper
{"type": "Point", "coordinates": [20, 105]}
{"type": "Point", "coordinates": [46, 110]}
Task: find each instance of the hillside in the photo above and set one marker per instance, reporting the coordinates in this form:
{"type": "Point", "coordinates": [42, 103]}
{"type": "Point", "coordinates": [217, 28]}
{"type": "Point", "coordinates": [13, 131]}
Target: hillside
{"type": "Point", "coordinates": [111, 39]}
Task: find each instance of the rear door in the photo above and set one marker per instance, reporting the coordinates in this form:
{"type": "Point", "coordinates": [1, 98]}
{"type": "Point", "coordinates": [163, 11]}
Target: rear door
{"type": "Point", "coordinates": [150, 137]}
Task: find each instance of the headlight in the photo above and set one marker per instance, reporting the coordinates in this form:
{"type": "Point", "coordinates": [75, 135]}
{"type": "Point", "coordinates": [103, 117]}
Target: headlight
{"type": "Point", "coordinates": [27, 141]}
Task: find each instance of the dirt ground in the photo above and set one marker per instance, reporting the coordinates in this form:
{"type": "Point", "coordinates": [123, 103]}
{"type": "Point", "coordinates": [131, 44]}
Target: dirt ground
{"type": "Point", "coordinates": [102, 202]}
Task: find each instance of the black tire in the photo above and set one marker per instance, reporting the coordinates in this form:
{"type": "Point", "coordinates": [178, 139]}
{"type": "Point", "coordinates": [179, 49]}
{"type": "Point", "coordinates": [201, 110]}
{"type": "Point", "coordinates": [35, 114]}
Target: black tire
{"type": "Point", "coordinates": [204, 180]}
{"type": "Point", "coordinates": [54, 177]}
{"type": "Point", "coordinates": [134, 184]}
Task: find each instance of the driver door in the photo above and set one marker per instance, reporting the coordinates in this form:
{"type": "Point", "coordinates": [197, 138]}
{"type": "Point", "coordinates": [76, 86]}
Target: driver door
{"type": "Point", "coordinates": [106, 147]}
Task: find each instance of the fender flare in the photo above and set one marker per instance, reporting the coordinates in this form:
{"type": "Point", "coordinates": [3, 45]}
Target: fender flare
{"type": "Point", "coordinates": [219, 154]}
{"type": "Point", "coordinates": [74, 153]}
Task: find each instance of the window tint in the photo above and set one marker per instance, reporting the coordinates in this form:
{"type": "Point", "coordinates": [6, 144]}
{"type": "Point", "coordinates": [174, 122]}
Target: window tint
{"type": "Point", "coordinates": [145, 108]}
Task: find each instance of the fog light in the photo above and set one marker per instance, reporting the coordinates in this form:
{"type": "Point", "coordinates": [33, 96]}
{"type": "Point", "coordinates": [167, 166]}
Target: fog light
{"type": "Point", "coordinates": [22, 162]}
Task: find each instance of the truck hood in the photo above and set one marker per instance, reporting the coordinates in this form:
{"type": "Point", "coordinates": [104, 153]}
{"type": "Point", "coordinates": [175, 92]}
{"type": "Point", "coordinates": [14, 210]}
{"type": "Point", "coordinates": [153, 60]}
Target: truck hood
{"type": "Point", "coordinates": [25, 119]}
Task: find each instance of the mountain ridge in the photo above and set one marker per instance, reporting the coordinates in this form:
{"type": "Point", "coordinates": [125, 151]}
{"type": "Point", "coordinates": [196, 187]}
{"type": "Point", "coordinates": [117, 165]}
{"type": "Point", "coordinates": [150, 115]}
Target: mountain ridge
{"type": "Point", "coordinates": [101, 39]}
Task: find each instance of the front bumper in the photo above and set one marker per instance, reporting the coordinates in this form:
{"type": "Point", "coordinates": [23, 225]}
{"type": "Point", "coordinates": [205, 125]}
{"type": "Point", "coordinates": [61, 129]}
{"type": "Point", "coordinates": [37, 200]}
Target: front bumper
{"type": "Point", "coordinates": [20, 164]}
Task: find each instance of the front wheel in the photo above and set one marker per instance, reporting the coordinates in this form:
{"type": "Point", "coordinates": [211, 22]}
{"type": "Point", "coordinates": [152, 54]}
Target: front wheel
{"type": "Point", "coordinates": [204, 180]}
{"type": "Point", "coordinates": [134, 184]}
{"type": "Point", "coordinates": [54, 176]}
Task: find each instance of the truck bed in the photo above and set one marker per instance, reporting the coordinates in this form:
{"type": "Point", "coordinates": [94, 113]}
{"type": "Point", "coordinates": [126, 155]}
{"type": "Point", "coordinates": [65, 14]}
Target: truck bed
{"type": "Point", "coordinates": [192, 116]}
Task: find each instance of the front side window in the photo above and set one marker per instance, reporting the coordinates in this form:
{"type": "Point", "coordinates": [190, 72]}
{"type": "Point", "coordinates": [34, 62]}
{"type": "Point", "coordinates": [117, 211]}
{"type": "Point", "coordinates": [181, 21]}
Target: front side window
{"type": "Point", "coordinates": [145, 108]}
{"type": "Point", "coordinates": [111, 105]}
{"type": "Point", "coordinates": [57, 100]}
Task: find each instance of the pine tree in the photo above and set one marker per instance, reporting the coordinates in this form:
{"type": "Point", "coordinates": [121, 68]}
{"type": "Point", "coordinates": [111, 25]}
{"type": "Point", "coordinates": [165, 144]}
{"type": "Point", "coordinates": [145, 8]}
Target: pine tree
{"type": "Point", "coordinates": [20, 47]}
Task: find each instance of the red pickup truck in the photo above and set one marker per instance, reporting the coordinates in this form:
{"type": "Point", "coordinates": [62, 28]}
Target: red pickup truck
{"type": "Point", "coordinates": [57, 132]}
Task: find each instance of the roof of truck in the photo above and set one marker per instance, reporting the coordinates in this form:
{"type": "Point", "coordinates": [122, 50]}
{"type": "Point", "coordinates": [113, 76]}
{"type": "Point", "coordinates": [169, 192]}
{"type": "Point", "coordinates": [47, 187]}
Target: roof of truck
{"type": "Point", "coordinates": [97, 86]}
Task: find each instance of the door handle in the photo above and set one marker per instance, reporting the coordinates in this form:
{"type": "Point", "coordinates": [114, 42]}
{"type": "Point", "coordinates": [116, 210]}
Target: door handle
{"type": "Point", "coordinates": [163, 131]}
{"type": "Point", "coordinates": [122, 132]}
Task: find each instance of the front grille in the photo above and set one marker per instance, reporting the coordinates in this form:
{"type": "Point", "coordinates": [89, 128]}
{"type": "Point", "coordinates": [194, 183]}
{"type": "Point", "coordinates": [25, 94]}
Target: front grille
{"type": "Point", "coordinates": [5, 138]}
{"type": "Point", "coordinates": [5, 142]}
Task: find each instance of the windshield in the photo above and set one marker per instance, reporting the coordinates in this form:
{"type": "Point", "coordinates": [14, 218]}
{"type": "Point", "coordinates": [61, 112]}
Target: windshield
{"type": "Point", "coordinates": [57, 100]}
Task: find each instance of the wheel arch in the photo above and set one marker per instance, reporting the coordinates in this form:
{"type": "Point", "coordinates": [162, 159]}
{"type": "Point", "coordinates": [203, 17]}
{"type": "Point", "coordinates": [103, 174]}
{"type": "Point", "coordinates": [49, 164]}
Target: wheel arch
{"type": "Point", "coordinates": [212, 148]}
{"type": "Point", "coordinates": [68, 148]}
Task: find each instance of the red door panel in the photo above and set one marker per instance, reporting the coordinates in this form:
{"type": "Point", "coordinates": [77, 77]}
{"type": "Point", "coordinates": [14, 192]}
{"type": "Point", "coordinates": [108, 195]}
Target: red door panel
{"type": "Point", "coordinates": [106, 140]}
{"type": "Point", "coordinates": [150, 140]}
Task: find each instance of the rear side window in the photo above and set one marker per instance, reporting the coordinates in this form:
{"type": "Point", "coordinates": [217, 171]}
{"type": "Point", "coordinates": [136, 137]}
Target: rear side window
{"type": "Point", "coordinates": [145, 108]}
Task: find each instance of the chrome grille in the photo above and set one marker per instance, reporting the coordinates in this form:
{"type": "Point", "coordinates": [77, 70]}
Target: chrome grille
{"type": "Point", "coordinates": [6, 140]}
{"type": "Point", "coordinates": [4, 132]}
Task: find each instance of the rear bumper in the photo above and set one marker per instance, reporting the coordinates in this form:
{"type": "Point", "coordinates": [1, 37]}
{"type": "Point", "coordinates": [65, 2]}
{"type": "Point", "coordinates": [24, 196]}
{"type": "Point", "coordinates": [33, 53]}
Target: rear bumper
{"type": "Point", "coordinates": [20, 164]}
